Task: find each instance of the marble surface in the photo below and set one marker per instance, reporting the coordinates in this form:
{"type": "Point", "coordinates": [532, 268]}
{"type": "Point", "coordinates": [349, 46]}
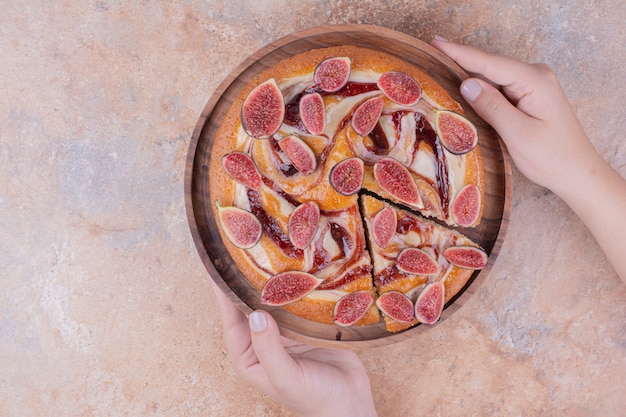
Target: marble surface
{"type": "Point", "coordinates": [105, 306]}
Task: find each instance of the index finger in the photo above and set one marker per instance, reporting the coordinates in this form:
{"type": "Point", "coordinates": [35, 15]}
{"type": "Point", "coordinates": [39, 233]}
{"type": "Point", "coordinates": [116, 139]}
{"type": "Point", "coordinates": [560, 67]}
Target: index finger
{"type": "Point", "coordinates": [235, 324]}
{"type": "Point", "coordinates": [513, 75]}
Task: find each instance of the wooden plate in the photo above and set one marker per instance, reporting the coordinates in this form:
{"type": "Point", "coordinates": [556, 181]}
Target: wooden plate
{"type": "Point", "coordinates": [215, 257]}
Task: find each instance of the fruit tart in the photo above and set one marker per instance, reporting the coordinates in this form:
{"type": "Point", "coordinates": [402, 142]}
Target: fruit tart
{"type": "Point", "coordinates": [306, 157]}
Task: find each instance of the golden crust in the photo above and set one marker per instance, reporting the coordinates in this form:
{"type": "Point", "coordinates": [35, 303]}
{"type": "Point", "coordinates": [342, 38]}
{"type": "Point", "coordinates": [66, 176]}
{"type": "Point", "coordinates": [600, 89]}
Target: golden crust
{"type": "Point", "coordinates": [455, 281]}
{"type": "Point", "coordinates": [396, 326]}
{"type": "Point", "coordinates": [475, 174]}
{"type": "Point", "coordinates": [230, 137]}
{"type": "Point", "coordinates": [317, 310]}
{"type": "Point", "coordinates": [321, 311]}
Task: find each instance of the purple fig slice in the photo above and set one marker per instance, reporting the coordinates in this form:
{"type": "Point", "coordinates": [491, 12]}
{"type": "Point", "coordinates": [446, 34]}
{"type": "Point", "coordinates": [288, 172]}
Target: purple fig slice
{"type": "Point", "coordinates": [468, 257]}
{"type": "Point", "coordinates": [397, 306]}
{"type": "Point", "coordinates": [429, 304]}
{"type": "Point", "coordinates": [466, 206]}
{"type": "Point", "coordinates": [313, 113]}
{"type": "Point", "coordinates": [300, 154]}
{"type": "Point", "coordinates": [384, 226]}
{"type": "Point", "coordinates": [352, 307]}
{"type": "Point", "coordinates": [416, 261]}
{"type": "Point", "coordinates": [287, 287]}
{"type": "Point", "coordinates": [303, 224]}
{"type": "Point", "coordinates": [366, 116]}
{"type": "Point", "coordinates": [241, 227]}
{"type": "Point", "coordinates": [242, 169]}
{"type": "Point", "coordinates": [400, 88]}
{"type": "Point", "coordinates": [263, 110]}
{"type": "Point", "coordinates": [346, 176]}
{"type": "Point", "coordinates": [457, 134]}
{"type": "Point", "coordinates": [397, 181]}
{"type": "Point", "coordinates": [332, 74]}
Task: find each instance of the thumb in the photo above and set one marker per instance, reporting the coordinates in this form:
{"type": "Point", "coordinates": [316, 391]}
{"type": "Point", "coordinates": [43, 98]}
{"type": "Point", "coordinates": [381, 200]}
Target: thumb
{"type": "Point", "coordinates": [267, 344]}
{"type": "Point", "coordinates": [493, 107]}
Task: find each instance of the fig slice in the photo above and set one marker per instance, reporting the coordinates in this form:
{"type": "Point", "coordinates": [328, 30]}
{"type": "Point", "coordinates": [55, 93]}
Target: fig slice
{"type": "Point", "coordinates": [397, 181]}
{"type": "Point", "coordinates": [332, 74]}
{"type": "Point", "coordinates": [241, 227]}
{"type": "Point", "coordinates": [287, 287]}
{"type": "Point", "coordinates": [313, 113]}
{"type": "Point", "coordinates": [242, 169]}
{"type": "Point", "coordinates": [352, 307]}
{"type": "Point", "coordinates": [468, 257]}
{"type": "Point", "coordinates": [300, 154]}
{"type": "Point", "coordinates": [429, 304]}
{"type": "Point", "coordinates": [397, 306]}
{"type": "Point", "coordinates": [416, 261]}
{"type": "Point", "coordinates": [346, 176]}
{"type": "Point", "coordinates": [303, 224]}
{"type": "Point", "coordinates": [366, 115]}
{"type": "Point", "coordinates": [466, 206]}
{"type": "Point", "coordinates": [400, 88]}
{"type": "Point", "coordinates": [384, 226]}
{"type": "Point", "coordinates": [263, 110]}
{"type": "Point", "coordinates": [457, 134]}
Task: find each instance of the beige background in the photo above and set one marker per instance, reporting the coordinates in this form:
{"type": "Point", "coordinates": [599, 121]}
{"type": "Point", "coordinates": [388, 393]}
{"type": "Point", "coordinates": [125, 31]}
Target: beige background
{"type": "Point", "coordinates": [105, 307]}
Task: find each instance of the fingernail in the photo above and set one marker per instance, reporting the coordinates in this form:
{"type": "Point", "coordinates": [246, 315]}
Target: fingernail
{"type": "Point", "coordinates": [471, 89]}
{"type": "Point", "coordinates": [257, 321]}
{"type": "Point", "coordinates": [440, 38]}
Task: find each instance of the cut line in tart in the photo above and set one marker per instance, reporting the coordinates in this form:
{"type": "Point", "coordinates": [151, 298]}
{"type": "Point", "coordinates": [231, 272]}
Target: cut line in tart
{"type": "Point", "coordinates": [327, 150]}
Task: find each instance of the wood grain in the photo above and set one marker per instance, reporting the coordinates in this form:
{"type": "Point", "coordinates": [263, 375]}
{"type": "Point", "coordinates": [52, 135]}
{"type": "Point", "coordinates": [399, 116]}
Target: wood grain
{"type": "Point", "coordinates": [489, 234]}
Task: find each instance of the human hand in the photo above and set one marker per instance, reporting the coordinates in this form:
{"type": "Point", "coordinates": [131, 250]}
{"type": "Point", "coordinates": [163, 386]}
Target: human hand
{"type": "Point", "coordinates": [311, 381]}
{"type": "Point", "coordinates": [531, 114]}
{"type": "Point", "coordinates": [546, 141]}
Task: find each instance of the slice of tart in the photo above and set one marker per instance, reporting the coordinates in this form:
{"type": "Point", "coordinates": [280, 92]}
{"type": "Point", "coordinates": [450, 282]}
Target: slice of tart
{"type": "Point", "coordinates": [409, 253]}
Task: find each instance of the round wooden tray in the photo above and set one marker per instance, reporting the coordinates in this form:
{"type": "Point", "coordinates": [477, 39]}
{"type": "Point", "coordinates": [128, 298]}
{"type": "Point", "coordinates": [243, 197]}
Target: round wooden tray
{"type": "Point", "coordinates": [489, 234]}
